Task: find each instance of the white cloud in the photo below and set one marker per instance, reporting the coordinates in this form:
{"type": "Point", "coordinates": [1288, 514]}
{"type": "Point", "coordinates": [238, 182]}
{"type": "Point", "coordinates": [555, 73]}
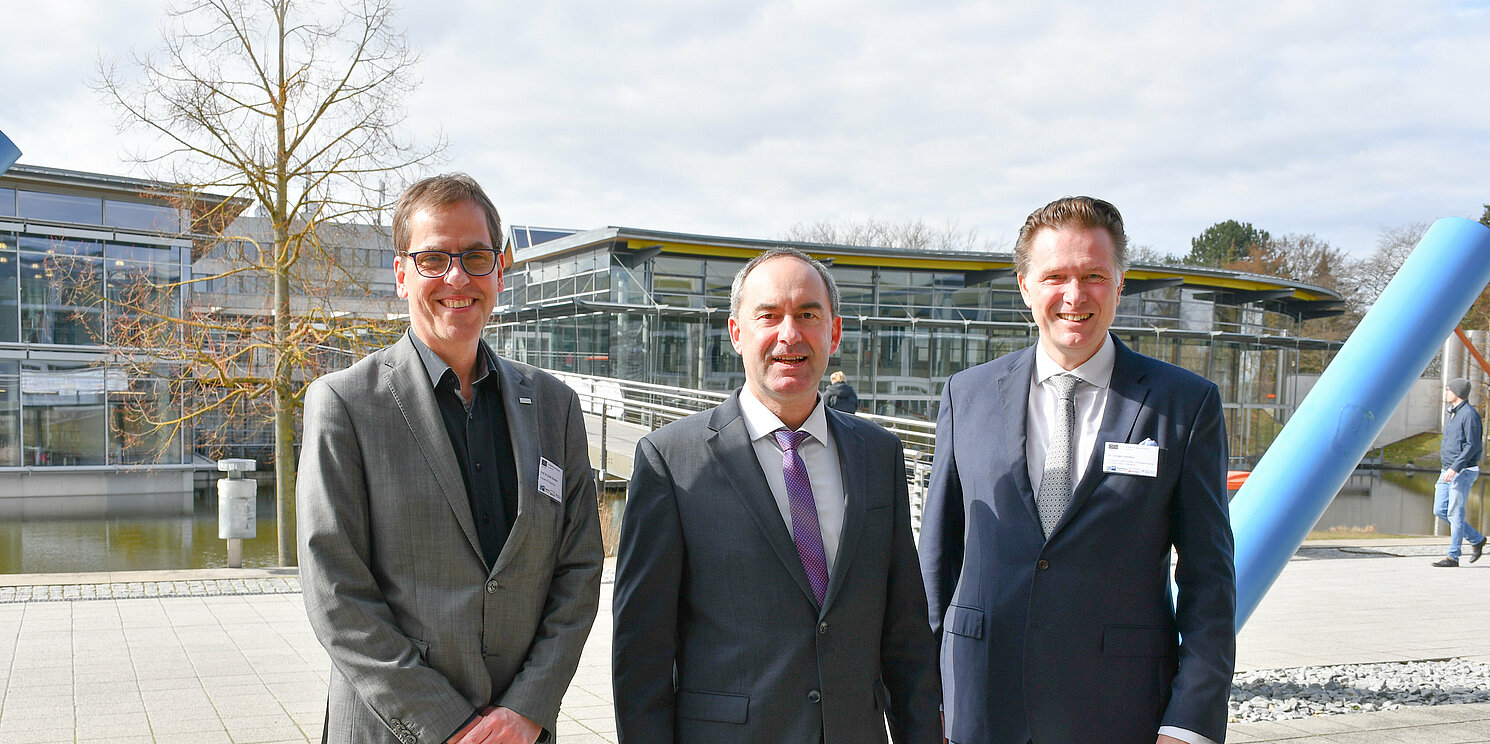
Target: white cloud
{"type": "Point", "coordinates": [743, 118]}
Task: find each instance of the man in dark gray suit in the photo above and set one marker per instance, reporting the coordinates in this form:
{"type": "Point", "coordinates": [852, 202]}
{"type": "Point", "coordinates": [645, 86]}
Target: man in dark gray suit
{"type": "Point", "coordinates": [1064, 474]}
{"type": "Point", "coordinates": [449, 545]}
{"type": "Point", "coordinates": [766, 582]}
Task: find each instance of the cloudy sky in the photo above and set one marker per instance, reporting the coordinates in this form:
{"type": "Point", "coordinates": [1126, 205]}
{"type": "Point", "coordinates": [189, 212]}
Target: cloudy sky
{"type": "Point", "coordinates": [743, 118]}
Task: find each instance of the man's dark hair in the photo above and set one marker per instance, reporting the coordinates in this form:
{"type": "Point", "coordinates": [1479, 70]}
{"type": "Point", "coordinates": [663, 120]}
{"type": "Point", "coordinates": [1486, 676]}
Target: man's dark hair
{"type": "Point", "coordinates": [1084, 212]}
{"type": "Point", "coordinates": [442, 191]}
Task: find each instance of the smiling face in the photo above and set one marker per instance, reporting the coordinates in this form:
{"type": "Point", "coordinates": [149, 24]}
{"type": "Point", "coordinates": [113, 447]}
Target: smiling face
{"type": "Point", "coordinates": [785, 332]}
{"type": "Point", "coordinates": [448, 313]}
{"type": "Point", "coordinates": [1072, 287]}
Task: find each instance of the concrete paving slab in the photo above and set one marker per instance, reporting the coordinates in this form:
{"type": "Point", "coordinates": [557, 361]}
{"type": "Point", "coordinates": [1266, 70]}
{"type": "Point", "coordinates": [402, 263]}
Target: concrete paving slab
{"type": "Point", "coordinates": [224, 656]}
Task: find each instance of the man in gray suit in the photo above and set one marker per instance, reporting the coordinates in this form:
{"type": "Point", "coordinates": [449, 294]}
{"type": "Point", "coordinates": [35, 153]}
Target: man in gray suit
{"type": "Point", "coordinates": [767, 588]}
{"type": "Point", "coordinates": [449, 544]}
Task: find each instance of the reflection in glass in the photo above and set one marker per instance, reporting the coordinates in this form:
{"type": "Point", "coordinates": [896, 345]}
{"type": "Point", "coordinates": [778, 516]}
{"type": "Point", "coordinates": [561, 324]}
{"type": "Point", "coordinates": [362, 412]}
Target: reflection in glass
{"type": "Point", "coordinates": [10, 414]}
{"type": "Point", "coordinates": [59, 207]}
{"type": "Point", "coordinates": [10, 314]}
{"type": "Point", "coordinates": [64, 413]}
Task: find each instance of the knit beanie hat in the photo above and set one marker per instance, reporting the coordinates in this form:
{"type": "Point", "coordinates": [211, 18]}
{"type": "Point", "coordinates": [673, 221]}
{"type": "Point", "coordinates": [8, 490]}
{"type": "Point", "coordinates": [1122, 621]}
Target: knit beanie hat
{"type": "Point", "coordinates": [1460, 388]}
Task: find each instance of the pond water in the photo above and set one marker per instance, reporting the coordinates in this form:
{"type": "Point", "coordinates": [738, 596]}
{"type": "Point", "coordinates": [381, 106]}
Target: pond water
{"type": "Point", "coordinates": [122, 539]}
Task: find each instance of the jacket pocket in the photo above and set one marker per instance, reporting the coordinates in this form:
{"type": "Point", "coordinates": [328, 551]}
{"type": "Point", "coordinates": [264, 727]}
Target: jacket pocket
{"type": "Point", "coordinates": [422, 647]}
{"type": "Point", "coordinates": [713, 706]}
{"type": "Point", "coordinates": [964, 621]}
{"type": "Point", "coordinates": [1136, 640]}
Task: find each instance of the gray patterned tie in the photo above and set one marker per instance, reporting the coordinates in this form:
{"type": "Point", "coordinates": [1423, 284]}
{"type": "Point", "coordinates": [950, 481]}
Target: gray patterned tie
{"type": "Point", "coordinates": [1055, 482]}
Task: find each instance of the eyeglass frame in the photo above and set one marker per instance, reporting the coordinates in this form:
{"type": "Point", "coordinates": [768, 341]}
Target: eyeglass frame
{"type": "Point", "coordinates": [452, 258]}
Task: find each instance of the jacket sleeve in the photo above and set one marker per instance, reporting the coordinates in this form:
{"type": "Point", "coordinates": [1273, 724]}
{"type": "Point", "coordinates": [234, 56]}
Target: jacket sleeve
{"type": "Point", "coordinates": [908, 651]}
{"type": "Point", "coordinates": [942, 518]}
{"type": "Point", "coordinates": [573, 592]}
{"type": "Point", "coordinates": [649, 572]}
{"type": "Point", "coordinates": [1205, 574]}
{"type": "Point", "coordinates": [343, 601]}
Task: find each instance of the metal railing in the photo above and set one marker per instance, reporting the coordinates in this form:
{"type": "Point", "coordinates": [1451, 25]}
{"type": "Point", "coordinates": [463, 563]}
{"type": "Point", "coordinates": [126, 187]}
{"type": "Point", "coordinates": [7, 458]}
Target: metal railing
{"type": "Point", "coordinates": [652, 406]}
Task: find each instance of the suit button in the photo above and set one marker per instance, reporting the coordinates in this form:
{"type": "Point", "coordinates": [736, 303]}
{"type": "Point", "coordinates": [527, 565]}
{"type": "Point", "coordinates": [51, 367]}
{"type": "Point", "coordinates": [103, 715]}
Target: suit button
{"type": "Point", "coordinates": [822, 628]}
{"type": "Point", "coordinates": [492, 586]}
{"type": "Point", "coordinates": [814, 697]}
{"type": "Point", "coordinates": [1043, 564]}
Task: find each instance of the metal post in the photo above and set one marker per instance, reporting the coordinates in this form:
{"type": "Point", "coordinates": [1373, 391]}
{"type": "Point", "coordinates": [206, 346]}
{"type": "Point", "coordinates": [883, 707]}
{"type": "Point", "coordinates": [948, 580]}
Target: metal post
{"type": "Point", "coordinates": [1314, 455]}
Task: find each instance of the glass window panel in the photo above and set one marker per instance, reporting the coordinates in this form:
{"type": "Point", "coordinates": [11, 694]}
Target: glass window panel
{"type": "Point", "coordinates": [60, 207]}
{"type": "Point", "coordinates": [141, 216]}
{"type": "Point", "coordinates": [135, 406]}
{"type": "Point", "coordinates": [10, 316]}
{"type": "Point", "coordinates": [10, 414]}
{"type": "Point", "coordinates": [64, 414]}
{"type": "Point", "coordinates": [60, 299]}
{"type": "Point", "coordinates": [7, 202]}
{"type": "Point", "coordinates": [60, 246]}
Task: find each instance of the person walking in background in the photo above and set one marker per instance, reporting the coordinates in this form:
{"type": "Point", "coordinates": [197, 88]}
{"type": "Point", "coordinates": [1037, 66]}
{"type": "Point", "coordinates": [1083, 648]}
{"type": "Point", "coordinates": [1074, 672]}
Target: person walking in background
{"type": "Point", "coordinates": [840, 395]}
{"type": "Point", "coordinates": [1065, 472]}
{"type": "Point", "coordinates": [766, 583]}
{"type": "Point", "coordinates": [1463, 444]}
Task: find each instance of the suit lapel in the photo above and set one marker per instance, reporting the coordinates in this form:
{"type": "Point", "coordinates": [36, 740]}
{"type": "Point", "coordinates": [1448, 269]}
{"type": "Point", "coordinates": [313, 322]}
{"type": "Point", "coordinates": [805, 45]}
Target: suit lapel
{"type": "Point", "coordinates": [522, 432]}
{"type": "Point", "coordinates": [734, 457]}
{"type": "Point", "coordinates": [1014, 406]}
{"type": "Point", "coordinates": [409, 382]}
{"type": "Point", "coordinates": [1125, 397]}
{"type": "Point", "coordinates": [852, 467]}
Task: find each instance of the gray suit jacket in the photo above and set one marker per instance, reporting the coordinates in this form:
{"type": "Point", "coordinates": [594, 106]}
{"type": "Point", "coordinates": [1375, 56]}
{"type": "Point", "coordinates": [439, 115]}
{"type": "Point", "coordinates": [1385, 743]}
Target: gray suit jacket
{"type": "Point", "coordinates": [419, 632]}
{"type": "Point", "coordinates": [718, 639]}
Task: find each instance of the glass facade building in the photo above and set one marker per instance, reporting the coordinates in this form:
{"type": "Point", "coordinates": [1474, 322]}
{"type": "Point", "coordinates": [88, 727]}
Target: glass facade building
{"type": "Point", "coordinates": [75, 251]}
{"type": "Point", "coordinates": [653, 307]}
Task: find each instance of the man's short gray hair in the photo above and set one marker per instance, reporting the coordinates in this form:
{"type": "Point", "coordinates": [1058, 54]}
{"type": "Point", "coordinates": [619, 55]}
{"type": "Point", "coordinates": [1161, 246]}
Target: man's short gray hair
{"type": "Point", "coordinates": [780, 252]}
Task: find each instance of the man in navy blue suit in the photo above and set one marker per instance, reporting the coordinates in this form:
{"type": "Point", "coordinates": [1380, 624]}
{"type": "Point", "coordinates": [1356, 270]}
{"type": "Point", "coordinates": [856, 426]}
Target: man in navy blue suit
{"type": "Point", "coordinates": [1065, 473]}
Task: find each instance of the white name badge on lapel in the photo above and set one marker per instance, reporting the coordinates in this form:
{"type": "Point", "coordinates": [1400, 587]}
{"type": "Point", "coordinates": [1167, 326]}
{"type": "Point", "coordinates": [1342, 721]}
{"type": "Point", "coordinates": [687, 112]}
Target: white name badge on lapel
{"type": "Point", "coordinates": [1131, 459]}
{"type": "Point", "coordinates": [550, 480]}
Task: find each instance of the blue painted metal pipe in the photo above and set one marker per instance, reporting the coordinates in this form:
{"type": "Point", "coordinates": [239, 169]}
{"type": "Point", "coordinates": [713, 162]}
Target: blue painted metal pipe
{"type": "Point", "coordinates": [9, 153]}
{"type": "Point", "coordinates": [1315, 453]}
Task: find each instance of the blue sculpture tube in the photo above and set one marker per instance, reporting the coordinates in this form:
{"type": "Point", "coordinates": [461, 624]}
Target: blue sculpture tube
{"type": "Point", "coordinates": [1315, 453]}
{"type": "Point", "coordinates": [8, 153]}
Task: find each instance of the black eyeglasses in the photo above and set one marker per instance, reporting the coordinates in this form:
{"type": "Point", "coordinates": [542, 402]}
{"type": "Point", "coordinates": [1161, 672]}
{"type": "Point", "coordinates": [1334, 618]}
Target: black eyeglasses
{"type": "Point", "coordinates": [436, 264]}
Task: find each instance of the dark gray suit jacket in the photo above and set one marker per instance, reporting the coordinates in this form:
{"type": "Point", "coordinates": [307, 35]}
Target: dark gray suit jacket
{"type": "Point", "coordinates": [419, 632]}
{"type": "Point", "coordinates": [1076, 639]}
{"type": "Point", "coordinates": [718, 639]}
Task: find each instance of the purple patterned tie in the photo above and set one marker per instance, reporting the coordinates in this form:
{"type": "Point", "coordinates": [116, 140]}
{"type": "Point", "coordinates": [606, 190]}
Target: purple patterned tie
{"type": "Point", "coordinates": [805, 531]}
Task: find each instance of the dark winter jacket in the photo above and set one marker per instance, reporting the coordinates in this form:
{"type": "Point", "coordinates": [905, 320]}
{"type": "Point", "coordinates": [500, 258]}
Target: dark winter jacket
{"type": "Point", "coordinates": [1462, 438]}
{"type": "Point", "coordinates": [841, 395]}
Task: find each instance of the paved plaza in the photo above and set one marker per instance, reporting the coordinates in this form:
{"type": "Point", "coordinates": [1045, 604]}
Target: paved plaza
{"type": "Point", "coordinates": [203, 657]}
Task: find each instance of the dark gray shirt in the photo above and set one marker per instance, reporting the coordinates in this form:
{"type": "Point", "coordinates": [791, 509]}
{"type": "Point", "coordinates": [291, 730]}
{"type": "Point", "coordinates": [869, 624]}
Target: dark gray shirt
{"type": "Point", "coordinates": [482, 443]}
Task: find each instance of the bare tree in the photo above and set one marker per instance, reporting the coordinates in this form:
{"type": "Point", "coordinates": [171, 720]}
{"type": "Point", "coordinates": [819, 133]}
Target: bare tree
{"type": "Point", "coordinates": [295, 107]}
{"type": "Point", "coordinates": [914, 235]}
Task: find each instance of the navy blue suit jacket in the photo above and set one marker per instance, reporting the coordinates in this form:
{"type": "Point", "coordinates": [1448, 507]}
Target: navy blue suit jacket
{"type": "Point", "coordinates": [1077, 638]}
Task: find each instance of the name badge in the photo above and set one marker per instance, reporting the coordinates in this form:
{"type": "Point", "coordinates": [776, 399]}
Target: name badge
{"type": "Point", "coordinates": [550, 480]}
{"type": "Point", "coordinates": [1131, 459]}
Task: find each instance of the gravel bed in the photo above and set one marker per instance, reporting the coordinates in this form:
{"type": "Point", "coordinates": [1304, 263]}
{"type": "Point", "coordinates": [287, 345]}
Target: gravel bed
{"type": "Point", "coordinates": [1280, 694]}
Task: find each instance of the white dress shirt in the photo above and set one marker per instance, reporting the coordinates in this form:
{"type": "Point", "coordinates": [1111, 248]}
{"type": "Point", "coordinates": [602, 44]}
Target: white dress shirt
{"type": "Point", "coordinates": [818, 452]}
{"type": "Point", "coordinates": [1091, 401]}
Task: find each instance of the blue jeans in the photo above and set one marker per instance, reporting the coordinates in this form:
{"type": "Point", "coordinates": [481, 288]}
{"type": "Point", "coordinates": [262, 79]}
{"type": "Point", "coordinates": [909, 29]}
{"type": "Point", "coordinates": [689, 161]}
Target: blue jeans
{"type": "Point", "coordinates": [1449, 500]}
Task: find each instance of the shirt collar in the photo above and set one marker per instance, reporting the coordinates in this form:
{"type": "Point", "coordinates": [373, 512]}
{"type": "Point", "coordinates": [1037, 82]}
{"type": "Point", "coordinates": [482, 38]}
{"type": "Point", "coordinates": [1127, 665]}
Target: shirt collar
{"type": "Point", "coordinates": [436, 367]}
{"type": "Point", "coordinates": [1096, 371]}
{"type": "Point", "coordinates": [760, 422]}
